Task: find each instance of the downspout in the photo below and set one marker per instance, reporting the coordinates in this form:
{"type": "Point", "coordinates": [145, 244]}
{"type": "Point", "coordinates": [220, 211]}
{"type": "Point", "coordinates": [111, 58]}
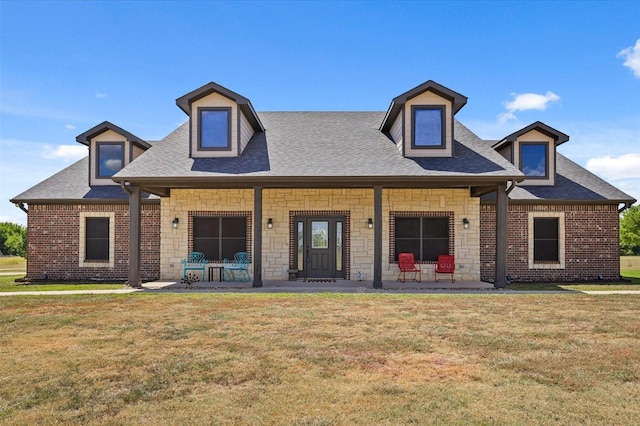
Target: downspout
{"type": "Point", "coordinates": [513, 185]}
{"type": "Point", "coordinates": [124, 187]}
{"type": "Point", "coordinates": [22, 207]}
{"type": "Point", "coordinates": [620, 210]}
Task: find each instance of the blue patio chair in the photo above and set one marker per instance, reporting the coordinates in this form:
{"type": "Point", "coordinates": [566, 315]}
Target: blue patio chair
{"type": "Point", "coordinates": [195, 261]}
{"type": "Point", "coordinates": [238, 268]}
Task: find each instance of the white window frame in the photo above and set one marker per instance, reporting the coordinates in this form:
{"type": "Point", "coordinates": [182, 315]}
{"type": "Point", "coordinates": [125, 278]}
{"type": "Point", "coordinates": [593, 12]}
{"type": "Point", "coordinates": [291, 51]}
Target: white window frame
{"type": "Point", "coordinates": [561, 241]}
{"type": "Point", "coordinates": [82, 263]}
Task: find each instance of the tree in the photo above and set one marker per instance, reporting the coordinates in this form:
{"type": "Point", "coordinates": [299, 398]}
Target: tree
{"type": "Point", "coordinates": [630, 231]}
{"type": "Point", "coordinates": [13, 239]}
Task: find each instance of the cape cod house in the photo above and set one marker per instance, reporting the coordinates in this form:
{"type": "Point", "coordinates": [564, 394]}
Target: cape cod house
{"type": "Point", "coordinates": [324, 195]}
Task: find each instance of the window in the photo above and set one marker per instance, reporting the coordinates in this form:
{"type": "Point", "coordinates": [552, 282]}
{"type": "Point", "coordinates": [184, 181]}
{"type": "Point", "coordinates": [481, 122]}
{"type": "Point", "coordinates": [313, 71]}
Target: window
{"type": "Point", "coordinates": [533, 159]}
{"type": "Point", "coordinates": [545, 239]}
{"type": "Point", "coordinates": [219, 237]}
{"type": "Point", "coordinates": [425, 237]}
{"type": "Point", "coordinates": [97, 239]}
{"type": "Point", "coordinates": [214, 128]}
{"type": "Point", "coordinates": [109, 158]}
{"type": "Point", "coordinates": [428, 127]}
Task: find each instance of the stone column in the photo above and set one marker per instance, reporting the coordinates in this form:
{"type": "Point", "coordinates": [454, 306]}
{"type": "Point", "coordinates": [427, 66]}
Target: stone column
{"type": "Point", "coordinates": [502, 208]}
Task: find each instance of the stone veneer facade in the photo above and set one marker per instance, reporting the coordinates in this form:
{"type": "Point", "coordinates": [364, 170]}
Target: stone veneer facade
{"type": "Point", "coordinates": [590, 242]}
{"type": "Point", "coordinates": [278, 204]}
{"type": "Point", "coordinates": [55, 236]}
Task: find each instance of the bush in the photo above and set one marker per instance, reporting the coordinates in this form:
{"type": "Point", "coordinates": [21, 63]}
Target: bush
{"type": "Point", "coordinates": [13, 239]}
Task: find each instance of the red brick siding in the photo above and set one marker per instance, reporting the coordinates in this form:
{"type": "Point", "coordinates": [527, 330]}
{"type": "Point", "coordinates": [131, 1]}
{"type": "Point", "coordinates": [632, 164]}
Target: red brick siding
{"type": "Point", "coordinates": [592, 244]}
{"type": "Point", "coordinates": [53, 242]}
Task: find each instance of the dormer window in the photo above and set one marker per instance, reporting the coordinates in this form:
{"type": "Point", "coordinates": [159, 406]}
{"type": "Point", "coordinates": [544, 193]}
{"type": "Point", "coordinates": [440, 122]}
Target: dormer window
{"type": "Point", "coordinates": [428, 126]}
{"type": "Point", "coordinates": [110, 150]}
{"type": "Point", "coordinates": [420, 122]}
{"type": "Point", "coordinates": [214, 131]}
{"type": "Point", "coordinates": [534, 159]}
{"type": "Point", "coordinates": [109, 158]}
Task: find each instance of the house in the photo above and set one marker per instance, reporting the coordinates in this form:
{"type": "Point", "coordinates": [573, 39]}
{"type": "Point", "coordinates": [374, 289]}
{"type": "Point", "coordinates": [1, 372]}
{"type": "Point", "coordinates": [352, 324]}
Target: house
{"type": "Point", "coordinates": [320, 195]}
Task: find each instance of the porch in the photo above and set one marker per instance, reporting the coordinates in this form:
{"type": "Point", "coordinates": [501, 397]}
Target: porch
{"type": "Point", "coordinates": [338, 286]}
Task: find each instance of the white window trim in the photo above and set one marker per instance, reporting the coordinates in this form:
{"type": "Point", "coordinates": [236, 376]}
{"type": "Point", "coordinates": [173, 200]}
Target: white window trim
{"type": "Point", "coordinates": [82, 263]}
{"type": "Point", "coordinates": [561, 241]}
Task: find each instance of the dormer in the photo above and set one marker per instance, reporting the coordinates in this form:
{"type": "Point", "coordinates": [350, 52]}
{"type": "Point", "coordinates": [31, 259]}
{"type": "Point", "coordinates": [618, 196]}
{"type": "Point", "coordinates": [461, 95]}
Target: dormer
{"type": "Point", "coordinates": [221, 122]}
{"type": "Point", "coordinates": [420, 121]}
{"type": "Point", "coordinates": [533, 151]}
{"type": "Point", "coordinates": [110, 149]}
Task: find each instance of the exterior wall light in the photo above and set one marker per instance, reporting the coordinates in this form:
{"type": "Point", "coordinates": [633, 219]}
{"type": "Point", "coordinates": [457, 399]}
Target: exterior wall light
{"type": "Point", "coordinates": [370, 223]}
{"type": "Point", "coordinates": [465, 223]}
{"type": "Point", "coordinates": [175, 222]}
{"type": "Point", "coordinates": [269, 223]}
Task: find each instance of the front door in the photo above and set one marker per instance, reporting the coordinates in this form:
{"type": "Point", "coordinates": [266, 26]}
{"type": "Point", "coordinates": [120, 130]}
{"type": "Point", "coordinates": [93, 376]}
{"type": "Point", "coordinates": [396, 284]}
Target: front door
{"type": "Point", "coordinates": [320, 244]}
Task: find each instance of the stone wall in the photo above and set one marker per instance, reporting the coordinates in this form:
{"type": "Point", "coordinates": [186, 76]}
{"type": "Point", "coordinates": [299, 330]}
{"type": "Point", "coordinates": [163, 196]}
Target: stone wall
{"type": "Point", "coordinates": [278, 204]}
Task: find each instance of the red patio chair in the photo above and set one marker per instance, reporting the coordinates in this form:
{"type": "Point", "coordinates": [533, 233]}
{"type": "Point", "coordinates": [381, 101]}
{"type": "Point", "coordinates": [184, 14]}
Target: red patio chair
{"type": "Point", "coordinates": [406, 263]}
{"type": "Point", "coordinates": [446, 265]}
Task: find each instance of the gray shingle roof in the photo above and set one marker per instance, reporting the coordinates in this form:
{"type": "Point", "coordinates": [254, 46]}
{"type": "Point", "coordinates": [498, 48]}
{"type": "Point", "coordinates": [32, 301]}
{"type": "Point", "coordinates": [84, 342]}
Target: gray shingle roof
{"type": "Point", "coordinates": [323, 144]}
{"type": "Point", "coordinates": [72, 183]}
{"type": "Point", "coordinates": [319, 144]}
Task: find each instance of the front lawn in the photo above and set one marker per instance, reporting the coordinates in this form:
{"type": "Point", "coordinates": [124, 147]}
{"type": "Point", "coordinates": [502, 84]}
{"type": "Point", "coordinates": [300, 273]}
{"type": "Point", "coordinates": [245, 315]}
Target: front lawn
{"type": "Point", "coordinates": [320, 359]}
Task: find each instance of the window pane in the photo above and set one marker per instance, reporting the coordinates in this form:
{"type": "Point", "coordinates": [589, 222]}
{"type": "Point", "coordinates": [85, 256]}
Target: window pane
{"type": "Point", "coordinates": [207, 246]}
{"type": "Point", "coordinates": [97, 238]}
{"type": "Point", "coordinates": [407, 227]}
{"type": "Point", "coordinates": [435, 227]}
{"type": "Point", "coordinates": [300, 238]}
{"type": "Point", "coordinates": [319, 234]}
{"type": "Point", "coordinates": [408, 246]}
{"type": "Point", "coordinates": [427, 125]}
{"type": "Point", "coordinates": [231, 246]}
{"type": "Point", "coordinates": [545, 239]}
{"type": "Point", "coordinates": [214, 128]}
{"type": "Point", "coordinates": [545, 228]}
{"type": "Point", "coordinates": [234, 227]}
{"type": "Point", "coordinates": [545, 250]}
{"type": "Point", "coordinates": [433, 248]}
{"type": "Point", "coordinates": [206, 227]}
{"type": "Point", "coordinates": [533, 159]}
{"type": "Point", "coordinates": [338, 246]}
{"type": "Point", "coordinates": [110, 159]}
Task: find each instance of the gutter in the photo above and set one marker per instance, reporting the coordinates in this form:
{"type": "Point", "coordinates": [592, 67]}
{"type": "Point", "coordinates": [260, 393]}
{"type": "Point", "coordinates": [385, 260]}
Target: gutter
{"type": "Point", "coordinates": [22, 207]}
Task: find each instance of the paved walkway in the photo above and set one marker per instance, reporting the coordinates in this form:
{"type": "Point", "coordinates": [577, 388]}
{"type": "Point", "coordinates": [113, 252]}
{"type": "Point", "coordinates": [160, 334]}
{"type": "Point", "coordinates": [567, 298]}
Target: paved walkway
{"type": "Point", "coordinates": [389, 287]}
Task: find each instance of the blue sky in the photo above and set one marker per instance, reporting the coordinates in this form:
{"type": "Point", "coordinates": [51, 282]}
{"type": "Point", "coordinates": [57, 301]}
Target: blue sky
{"type": "Point", "coordinates": [67, 66]}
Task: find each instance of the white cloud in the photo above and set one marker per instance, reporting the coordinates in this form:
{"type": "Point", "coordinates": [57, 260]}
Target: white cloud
{"type": "Point", "coordinates": [70, 127]}
{"type": "Point", "coordinates": [101, 95]}
{"type": "Point", "coordinates": [626, 166]}
{"type": "Point", "coordinates": [66, 153]}
{"type": "Point", "coordinates": [114, 165]}
{"type": "Point", "coordinates": [526, 101]}
{"type": "Point", "coordinates": [632, 58]}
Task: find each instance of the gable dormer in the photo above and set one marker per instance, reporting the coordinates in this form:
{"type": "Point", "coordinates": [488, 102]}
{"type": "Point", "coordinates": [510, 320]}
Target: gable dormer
{"type": "Point", "coordinates": [221, 122]}
{"type": "Point", "coordinates": [420, 121]}
{"type": "Point", "coordinates": [533, 151]}
{"type": "Point", "coordinates": [110, 149]}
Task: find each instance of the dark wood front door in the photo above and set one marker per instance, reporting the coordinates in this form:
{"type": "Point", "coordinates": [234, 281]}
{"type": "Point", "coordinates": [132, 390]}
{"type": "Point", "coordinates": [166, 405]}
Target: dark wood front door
{"type": "Point", "coordinates": [320, 242]}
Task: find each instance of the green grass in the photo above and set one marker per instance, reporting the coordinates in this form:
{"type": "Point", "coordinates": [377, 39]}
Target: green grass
{"type": "Point", "coordinates": [322, 359]}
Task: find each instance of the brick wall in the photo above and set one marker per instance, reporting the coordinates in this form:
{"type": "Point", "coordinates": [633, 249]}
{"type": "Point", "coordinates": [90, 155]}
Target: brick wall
{"type": "Point", "coordinates": [53, 242]}
{"type": "Point", "coordinates": [591, 243]}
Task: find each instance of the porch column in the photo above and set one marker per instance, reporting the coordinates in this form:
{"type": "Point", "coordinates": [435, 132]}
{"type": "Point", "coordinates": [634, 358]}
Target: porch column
{"type": "Point", "coordinates": [502, 208]}
{"type": "Point", "coordinates": [257, 236]}
{"type": "Point", "coordinates": [134, 236]}
{"type": "Point", "coordinates": [377, 236]}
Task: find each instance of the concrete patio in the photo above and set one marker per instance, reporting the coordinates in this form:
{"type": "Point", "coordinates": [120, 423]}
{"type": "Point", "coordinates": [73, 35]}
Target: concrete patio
{"type": "Point", "coordinates": [338, 286]}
